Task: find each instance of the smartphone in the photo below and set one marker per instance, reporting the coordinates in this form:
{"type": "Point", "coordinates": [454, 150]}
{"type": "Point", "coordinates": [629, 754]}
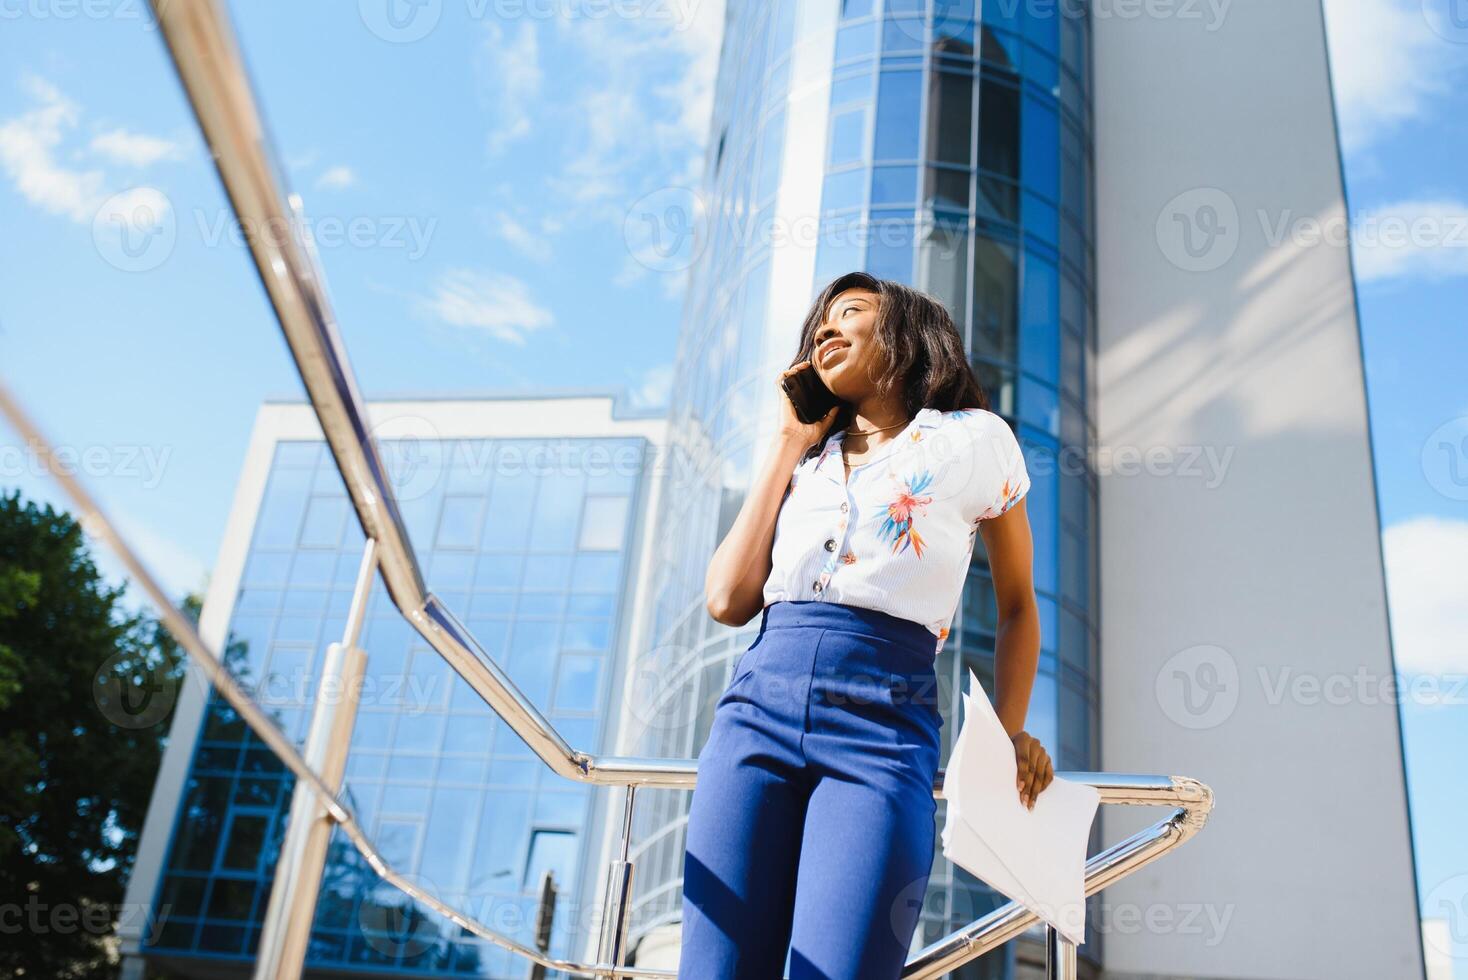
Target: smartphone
{"type": "Point", "coordinates": [809, 394]}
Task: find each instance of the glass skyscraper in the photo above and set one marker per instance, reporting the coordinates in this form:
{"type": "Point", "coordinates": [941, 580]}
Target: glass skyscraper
{"type": "Point", "coordinates": [949, 147]}
{"type": "Point", "coordinates": [527, 540]}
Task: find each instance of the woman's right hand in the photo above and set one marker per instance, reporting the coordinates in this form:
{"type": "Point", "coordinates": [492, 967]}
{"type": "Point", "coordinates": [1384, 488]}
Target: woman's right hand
{"type": "Point", "coordinates": [805, 434]}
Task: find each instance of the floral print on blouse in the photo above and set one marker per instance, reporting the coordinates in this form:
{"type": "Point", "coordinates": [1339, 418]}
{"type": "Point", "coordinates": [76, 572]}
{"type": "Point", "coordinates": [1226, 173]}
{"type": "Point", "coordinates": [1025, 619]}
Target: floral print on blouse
{"type": "Point", "coordinates": [897, 536]}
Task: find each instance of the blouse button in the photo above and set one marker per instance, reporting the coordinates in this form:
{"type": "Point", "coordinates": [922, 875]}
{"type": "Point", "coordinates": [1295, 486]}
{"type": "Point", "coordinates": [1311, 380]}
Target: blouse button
{"type": "Point", "coordinates": [845, 506]}
{"type": "Point", "coordinates": [830, 544]}
{"type": "Point", "coordinates": [817, 586]}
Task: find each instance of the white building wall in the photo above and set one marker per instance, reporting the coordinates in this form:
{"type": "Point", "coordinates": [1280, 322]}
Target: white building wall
{"type": "Point", "coordinates": [1242, 590]}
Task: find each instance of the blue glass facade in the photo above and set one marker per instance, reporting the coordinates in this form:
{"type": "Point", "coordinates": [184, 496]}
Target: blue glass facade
{"type": "Point", "coordinates": [957, 158]}
{"type": "Point", "coordinates": [525, 540]}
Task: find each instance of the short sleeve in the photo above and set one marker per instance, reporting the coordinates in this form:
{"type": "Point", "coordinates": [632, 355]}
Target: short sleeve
{"type": "Point", "coordinates": [1003, 477]}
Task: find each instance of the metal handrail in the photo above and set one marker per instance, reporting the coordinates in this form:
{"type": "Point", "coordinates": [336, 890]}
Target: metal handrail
{"type": "Point", "coordinates": [207, 58]}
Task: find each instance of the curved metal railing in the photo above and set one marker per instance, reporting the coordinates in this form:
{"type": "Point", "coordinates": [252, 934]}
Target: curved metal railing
{"type": "Point", "coordinates": [205, 53]}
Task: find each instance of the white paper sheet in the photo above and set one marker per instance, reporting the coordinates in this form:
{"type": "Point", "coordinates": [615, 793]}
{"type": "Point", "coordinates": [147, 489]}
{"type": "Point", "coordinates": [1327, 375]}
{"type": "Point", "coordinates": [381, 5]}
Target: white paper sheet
{"type": "Point", "coordinates": [1034, 857]}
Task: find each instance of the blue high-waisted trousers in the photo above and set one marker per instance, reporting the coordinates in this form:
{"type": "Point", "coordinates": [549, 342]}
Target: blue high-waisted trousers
{"type": "Point", "coordinates": [811, 826]}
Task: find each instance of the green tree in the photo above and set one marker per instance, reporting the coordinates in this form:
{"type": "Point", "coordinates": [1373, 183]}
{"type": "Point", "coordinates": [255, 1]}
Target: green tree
{"type": "Point", "coordinates": [86, 690]}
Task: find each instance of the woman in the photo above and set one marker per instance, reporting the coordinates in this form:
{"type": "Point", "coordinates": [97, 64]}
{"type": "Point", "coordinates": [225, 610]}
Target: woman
{"type": "Point", "coordinates": [811, 825]}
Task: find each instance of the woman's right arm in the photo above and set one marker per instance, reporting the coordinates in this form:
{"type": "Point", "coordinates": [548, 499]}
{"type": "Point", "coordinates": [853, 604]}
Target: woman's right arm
{"type": "Point", "coordinates": [735, 582]}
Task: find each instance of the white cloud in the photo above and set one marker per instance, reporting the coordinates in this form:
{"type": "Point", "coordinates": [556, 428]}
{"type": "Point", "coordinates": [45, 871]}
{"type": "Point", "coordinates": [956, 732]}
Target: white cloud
{"type": "Point", "coordinates": [1412, 239]}
{"type": "Point", "coordinates": [32, 151]}
{"type": "Point", "coordinates": [654, 388]}
{"type": "Point", "coordinates": [494, 302]}
{"type": "Point", "coordinates": [134, 149]}
{"type": "Point", "coordinates": [28, 154]}
{"type": "Point", "coordinates": [529, 242]}
{"type": "Point", "coordinates": [1387, 65]}
{"type": "Point", "coordinates": [1427, 579]}
{"type": "Point", "coordinates": [633, 117]}
{"type": "Point", "coordinates": [336, 179]}
{"type": "Point", "coordinates": [510, 80]}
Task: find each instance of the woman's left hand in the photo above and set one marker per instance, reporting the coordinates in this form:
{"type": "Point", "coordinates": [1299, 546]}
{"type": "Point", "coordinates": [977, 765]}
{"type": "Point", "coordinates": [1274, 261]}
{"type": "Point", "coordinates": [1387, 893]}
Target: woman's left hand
{"type": "Point", "coordinates": [1035, 770]}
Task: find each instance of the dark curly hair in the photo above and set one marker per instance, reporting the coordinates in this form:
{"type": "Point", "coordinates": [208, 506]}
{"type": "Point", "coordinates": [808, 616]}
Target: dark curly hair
{"type": "Point", "coordinates": [923, 352]}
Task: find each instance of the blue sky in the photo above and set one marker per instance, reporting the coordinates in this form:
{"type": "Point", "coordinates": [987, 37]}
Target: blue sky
{"type": "Point", "coordinates": [470, 189]}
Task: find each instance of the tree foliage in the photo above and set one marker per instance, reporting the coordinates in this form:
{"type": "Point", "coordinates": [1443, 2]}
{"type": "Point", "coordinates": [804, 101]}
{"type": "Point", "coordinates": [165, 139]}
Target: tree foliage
{"type": "Point", "coordinates": [86, 692]}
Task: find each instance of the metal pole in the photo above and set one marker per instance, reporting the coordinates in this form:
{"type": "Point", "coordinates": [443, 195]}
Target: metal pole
{"type": "Point", "coordinates": [1060, 955]}
{"type": "Point", "coordinates": [612, 940]}
{"type": "Point", "coordinates": [287, 927]}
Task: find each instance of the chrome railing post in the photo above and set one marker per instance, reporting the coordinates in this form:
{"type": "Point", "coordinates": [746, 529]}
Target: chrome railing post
{"type": "Point", "coordinates": [287, 928]}
{"type": "Point", "coordinates": [617, 899]}
{"type": "Point", "coordinates": [1060, 955]}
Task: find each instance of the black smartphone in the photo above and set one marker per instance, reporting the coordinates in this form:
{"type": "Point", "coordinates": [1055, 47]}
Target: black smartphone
{"type": "Point", "coordinates": [809, 394]}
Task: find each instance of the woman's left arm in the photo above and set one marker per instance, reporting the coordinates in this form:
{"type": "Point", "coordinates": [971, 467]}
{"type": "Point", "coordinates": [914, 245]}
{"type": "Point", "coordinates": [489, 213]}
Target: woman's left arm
{"type": "Point", "coordinates": [1010, 547]}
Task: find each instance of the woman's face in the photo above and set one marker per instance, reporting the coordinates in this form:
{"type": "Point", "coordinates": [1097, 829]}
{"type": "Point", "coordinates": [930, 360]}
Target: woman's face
{"type": "Point", "coordinates": [846, 354]}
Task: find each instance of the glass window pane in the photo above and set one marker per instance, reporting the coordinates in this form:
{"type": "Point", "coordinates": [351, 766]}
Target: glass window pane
{"type": "Point", "coordinates": [842, 248]}
{"type": "Point", "coordinates": [246, 837]}
{"type": "Point", "coordinates": [855, 88]}
{"type": "Point", "coordinates": [604, 524]}
{"type": "Point", "coordinates": [844, 190]}
{"type": "Point", "coordinates": [889, 252]}
{"type": "Point", "coordinates": [894, 185]}
{"type": "Point", "coordinates": [553, 851]}
{"type": "Point", "coordinates": [848, 136]}
{"type": "Point", "coordinates": [576, 687]}
{"type": "Point", "coordinates": [1041, 153]}
{"type": "Point", "coordinates": [998, 127]}
{"type": "Point", "coordinates": [1039, 336]}
{"type": "Point", "coordinates": [945, 268]}
{"type": "Point", "coordinates": [856, 41]}
{"type": "Point", "coordinates": [1041, 219]}
{"type": "Point", "coordinates": [903, 35]}
{"type": "Point", "coordinates": [557, 512]}
{"type": "Point", "coordinates": [899, 100]}
{"type": "Point", "coordinates": [947, 189]}
{"type": "Point", "coordinates": [995, 317]}
{"type": "Point", "coordinates": [458, 524]}
{"type": "Point", "coordinates": [950, 110]}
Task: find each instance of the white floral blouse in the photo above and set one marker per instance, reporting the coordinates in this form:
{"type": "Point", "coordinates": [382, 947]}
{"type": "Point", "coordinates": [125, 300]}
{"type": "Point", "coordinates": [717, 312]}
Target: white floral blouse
{"type": "Point", "coordinates": [899, 535]}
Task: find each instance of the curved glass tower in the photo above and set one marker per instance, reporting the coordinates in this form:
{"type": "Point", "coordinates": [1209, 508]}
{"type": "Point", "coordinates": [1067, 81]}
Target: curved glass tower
{"type": "Point", "coordinates": [949, 147]}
